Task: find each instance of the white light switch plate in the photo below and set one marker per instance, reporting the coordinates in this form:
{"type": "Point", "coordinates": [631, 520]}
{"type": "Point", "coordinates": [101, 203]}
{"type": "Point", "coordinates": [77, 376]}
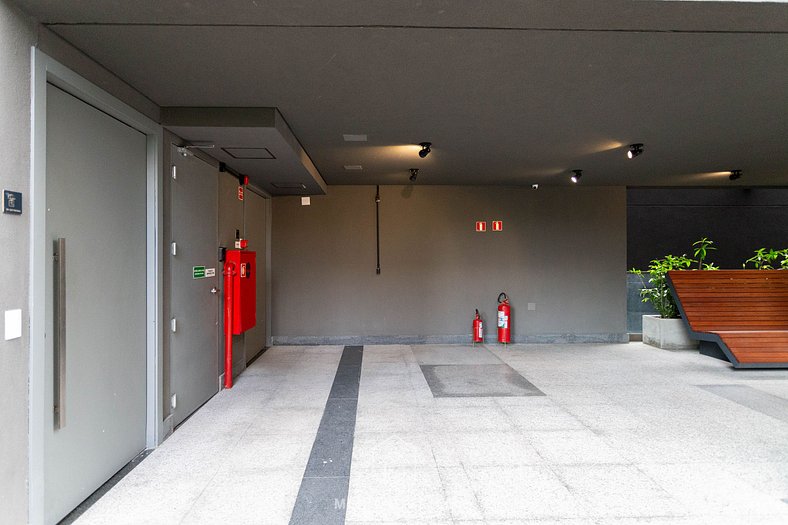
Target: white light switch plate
{"type": "Point", "coordinates": [13, 324]}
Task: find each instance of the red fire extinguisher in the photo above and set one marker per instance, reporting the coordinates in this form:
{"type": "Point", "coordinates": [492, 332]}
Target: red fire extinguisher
{"type": "Point", "coordinates": [478, 329]}
{"type": "Point", "coordinates": [504, 312]}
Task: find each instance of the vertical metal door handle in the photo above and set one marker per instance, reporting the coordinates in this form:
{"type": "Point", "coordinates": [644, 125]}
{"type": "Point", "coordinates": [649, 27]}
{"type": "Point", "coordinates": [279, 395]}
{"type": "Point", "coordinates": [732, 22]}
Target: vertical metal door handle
{"type": "Point", "coordinates": [59, 339]}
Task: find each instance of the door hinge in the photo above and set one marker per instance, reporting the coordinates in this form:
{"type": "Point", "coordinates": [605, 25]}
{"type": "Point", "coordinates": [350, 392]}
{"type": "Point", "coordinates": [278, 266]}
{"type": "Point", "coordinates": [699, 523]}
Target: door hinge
{"type": "Point", "coordinates": [174, 248]}
{"type": "Point", "coordinates": [174, 325]}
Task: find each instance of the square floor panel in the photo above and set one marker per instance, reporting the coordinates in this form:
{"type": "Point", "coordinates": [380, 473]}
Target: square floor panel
{"type": "Point", "coordinates": [477, 381]}
{"type": "Point", "coordinates": [454, 355]}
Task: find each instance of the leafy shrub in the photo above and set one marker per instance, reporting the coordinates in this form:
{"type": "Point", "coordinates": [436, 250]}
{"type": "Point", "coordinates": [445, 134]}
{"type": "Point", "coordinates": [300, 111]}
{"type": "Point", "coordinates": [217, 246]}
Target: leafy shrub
{"type": "Point", "coordinates": [655, 289]}
{"type": "Point", "coordinates": [767, 260]}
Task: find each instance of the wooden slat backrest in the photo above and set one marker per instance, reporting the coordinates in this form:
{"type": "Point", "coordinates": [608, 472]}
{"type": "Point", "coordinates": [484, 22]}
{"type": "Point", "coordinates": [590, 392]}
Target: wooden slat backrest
{"type": "Point", "coordinates": [733, 300]}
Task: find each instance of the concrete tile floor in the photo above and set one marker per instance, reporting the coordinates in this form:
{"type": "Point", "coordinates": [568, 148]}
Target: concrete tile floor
{"type": "Point", "coordinates": [624, 435]}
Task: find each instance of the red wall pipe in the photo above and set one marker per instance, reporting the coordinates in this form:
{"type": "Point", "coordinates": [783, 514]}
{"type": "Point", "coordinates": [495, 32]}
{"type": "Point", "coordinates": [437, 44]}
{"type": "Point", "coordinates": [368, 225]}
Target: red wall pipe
{"type": "Point", "coordinates": [229, 273]}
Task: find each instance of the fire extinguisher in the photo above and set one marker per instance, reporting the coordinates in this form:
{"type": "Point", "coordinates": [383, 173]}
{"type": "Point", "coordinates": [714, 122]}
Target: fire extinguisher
{"type": "Point", "coordinates": [504, 312]}
{"type": "Point", "coordinates": [478, 329]}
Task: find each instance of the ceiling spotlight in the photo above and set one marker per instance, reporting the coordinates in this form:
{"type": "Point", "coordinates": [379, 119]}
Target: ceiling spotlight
{"type": "Point", "coordinates": [735, 174]}
{"type": "Point", "coordinates": [425, 149]}
{"type": "Point", "coordinates": [634, 150]}
{"type": "Point", "coordinates": [534, 186]}
{"type": "Point", "coordinates": [414, 172]}
{"type": "Point", "coordinates": [576, 177]}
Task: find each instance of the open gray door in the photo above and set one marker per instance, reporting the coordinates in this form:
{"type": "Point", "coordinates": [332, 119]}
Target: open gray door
{"type": "Point", "coordinates": [96, 300]}
{"type": "Point", "coordinates": [194, 284]}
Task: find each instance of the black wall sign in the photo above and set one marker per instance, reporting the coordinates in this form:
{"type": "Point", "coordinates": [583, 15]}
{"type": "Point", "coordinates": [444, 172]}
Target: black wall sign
{"type": "Point", "coordinates": [12, 202]}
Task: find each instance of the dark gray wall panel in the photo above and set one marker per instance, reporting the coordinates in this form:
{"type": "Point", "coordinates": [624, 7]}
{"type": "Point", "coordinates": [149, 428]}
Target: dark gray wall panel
{"type": "Point", "coordinates": [662, 221]}
{"type": "Point", "coordinates": [562, 249]}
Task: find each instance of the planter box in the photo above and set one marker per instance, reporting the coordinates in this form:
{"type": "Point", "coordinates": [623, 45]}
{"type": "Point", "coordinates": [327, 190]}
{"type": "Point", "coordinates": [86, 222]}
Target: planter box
{"type": "Point", "coordinates": [670, 334]}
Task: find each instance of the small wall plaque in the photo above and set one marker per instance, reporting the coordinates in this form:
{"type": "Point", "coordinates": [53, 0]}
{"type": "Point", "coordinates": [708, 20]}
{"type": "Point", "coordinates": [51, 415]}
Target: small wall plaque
{"type": "Point", "coordinates": [12, 202]}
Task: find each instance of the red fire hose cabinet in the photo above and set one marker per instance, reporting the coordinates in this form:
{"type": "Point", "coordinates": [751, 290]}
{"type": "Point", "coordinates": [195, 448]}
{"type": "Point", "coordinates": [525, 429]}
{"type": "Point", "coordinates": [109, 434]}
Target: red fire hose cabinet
{"type": "Point", "coordinates": [244, 296]}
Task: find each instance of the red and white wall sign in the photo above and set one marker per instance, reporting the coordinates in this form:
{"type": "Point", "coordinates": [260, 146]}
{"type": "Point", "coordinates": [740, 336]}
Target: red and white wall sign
{"type": "Point", "coordinates": [481, 226]}
{"type": "Point", "coordinates": [497, 226]}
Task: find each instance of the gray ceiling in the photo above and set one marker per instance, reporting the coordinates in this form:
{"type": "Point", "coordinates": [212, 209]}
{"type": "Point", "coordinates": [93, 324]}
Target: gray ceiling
{"type": "Point", "coordinates": [509, 92]}
{"type": "Point", "coordinates": [255, 142]}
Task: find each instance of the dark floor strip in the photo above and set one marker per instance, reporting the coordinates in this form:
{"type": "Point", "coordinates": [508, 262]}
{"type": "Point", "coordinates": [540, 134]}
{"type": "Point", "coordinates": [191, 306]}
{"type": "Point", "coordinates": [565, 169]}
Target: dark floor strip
{"type": "Point", "coordinates": [322, 497]}
{"type": "Point", "coordinates": [758, 400]}
{"type": "Point", "coordinates": [256, 356]}
{"type": "Point", "coordinates": [72, 516]}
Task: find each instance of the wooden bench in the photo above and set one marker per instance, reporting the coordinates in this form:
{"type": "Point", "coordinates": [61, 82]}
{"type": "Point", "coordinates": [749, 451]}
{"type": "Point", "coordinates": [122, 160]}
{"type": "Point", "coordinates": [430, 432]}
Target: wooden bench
{"type": "Point", "coordinates": [745, 312]}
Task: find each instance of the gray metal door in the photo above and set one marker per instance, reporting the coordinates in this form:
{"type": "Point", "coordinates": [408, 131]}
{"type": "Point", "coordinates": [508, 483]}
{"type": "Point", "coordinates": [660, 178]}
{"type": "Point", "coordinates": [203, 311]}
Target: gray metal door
{"type": "Point", "coordinates": [195, 279]}
{"type": "Point", "coordinates": [96, 307]}
{"type": "Point", "coordinates": [255, 212]}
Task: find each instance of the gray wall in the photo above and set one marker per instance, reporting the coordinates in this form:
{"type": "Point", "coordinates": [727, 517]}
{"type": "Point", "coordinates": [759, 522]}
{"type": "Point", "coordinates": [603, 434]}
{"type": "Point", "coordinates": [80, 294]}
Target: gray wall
{"type": "Point", "coordinates": [563, 249]}
{"type": "Point", "coordinates": [16, 36]}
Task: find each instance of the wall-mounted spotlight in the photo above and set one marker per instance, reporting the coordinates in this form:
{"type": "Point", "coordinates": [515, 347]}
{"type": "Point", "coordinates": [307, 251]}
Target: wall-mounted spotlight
{"type": "Point", "coordinates": [576, 177]}
{"type": "Point", "coordinates": [634, 150]}
{"type": "Point", "coordinates": [425, 149]}
{"type": "Point", "coordinates": [414, 172]}
{"type": "Point", "coordinates": [735, 174]}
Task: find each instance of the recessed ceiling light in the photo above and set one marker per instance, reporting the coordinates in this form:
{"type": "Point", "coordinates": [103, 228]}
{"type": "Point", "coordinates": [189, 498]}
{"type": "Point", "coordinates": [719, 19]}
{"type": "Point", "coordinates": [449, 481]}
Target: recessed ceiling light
{"type": "Point", "coordinates": [288, 185]}
{"type": "Point", "coordinates": [355, 138]}
{"type": "Point", "coordinates": [354, 167]}
{"type": "Point", "coordinates": [249, 153]}
{"type": "Point", "coordinates": [634, 150]}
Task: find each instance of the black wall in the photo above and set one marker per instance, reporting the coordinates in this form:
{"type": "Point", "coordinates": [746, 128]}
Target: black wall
{"type": "Point", "coordinates": [667, 221]}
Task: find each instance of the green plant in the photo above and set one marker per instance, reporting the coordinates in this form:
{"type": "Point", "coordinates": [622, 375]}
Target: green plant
{"type": "Point", "coordinates": [765, 260]}
{"type": "Point", "coordinates": [702, 247]}
{"type": "Point", "coordinates": [655, 289]}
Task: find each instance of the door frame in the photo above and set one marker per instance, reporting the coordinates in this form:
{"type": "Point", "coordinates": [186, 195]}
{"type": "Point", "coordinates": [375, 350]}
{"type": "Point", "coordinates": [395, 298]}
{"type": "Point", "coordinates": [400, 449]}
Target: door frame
{"type": "Point", "coordinates": [45, 69]}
